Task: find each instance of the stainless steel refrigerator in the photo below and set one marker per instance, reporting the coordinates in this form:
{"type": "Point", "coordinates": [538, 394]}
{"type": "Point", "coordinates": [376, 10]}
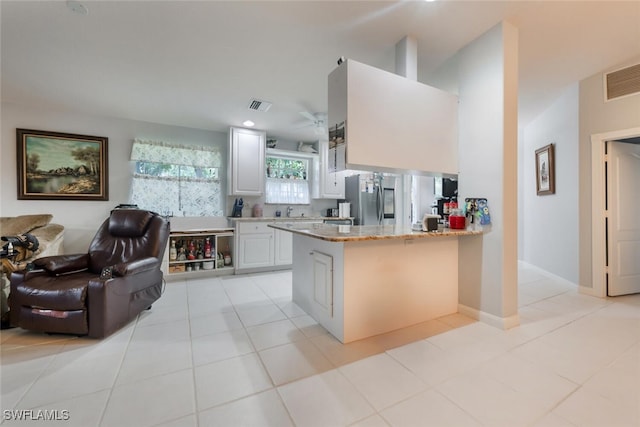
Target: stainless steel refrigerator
{"type": "Point", "coordinates": [372, 197]}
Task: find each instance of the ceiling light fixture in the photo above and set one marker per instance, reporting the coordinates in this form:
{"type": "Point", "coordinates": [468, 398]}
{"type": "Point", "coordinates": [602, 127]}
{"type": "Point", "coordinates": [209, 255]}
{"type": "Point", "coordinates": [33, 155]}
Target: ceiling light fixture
{"type": "Point", "coordinates": [248, 123]}
{"type": "Point", "coordinates": [77, 7]}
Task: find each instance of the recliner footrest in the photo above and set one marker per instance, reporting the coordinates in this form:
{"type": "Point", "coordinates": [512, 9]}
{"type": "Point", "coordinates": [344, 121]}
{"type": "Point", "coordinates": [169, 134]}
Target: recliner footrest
{"type": "Point", "coordinates": [43, 320]}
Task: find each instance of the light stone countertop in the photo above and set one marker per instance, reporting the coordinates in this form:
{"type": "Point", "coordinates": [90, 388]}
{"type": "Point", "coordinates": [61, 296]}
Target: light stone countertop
{"type": "Point", "coordinates": [283, 218]}
{"type": "Point", "coordinates": [352, 233]}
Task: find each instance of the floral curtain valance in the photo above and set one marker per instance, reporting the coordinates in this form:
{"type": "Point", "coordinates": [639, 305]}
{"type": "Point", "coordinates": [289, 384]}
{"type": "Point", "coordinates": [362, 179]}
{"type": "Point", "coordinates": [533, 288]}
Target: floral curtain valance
{"type": "Point", "coordinates": [163, 152]}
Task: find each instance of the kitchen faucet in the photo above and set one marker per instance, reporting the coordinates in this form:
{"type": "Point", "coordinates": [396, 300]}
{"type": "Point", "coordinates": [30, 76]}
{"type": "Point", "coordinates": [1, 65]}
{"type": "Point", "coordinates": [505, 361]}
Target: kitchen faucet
{"type": "Point", "coordinates": [289, 210]}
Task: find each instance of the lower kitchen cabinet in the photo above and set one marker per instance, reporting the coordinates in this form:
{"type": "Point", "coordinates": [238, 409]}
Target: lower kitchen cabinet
{"type": "Point", "coordinates": [263, 248]}
{"type": "Point", "coordinates": [255, 250]}
{"type": "Point", "coordinates": [191, 253]}
{"type": "Point", "coordinates": [283, 247]}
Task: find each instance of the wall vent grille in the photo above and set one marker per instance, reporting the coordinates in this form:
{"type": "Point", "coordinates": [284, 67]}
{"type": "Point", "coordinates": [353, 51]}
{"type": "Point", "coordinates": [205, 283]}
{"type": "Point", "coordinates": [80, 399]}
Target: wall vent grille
{"type": "Point", "coordinates": [622, 82]}
{"type": "Point", "coordinates": [258, 105]}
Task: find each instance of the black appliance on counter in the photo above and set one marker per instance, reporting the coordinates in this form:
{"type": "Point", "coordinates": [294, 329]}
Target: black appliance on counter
{"type": "Point", "coordinates": [237, 208]}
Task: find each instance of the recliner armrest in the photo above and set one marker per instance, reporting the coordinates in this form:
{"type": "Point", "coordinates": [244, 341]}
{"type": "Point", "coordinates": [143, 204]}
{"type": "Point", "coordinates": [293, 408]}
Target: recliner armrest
{"type": "Point", "coordinates": [61, 264]}
{"type": "Point", "coordinates": [134, 267]}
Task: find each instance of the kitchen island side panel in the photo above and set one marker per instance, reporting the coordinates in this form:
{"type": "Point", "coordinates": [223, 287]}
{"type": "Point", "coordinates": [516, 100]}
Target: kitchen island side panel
{"type": "Point", "coordinates": [392, 284]}
{"type": "Point", "coordinates": [378, 285]}
{"type": "Point", "coordinates": [303, 281]}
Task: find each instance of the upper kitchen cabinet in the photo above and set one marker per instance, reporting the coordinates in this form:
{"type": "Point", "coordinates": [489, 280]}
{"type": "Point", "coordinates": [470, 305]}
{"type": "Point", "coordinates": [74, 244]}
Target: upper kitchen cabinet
{"type": "Point", "coordinates": [246, 162]}
{"type": "Point", "coordinates": [330, 174]}
{"type": "Point", "coordinates": [387, 122]}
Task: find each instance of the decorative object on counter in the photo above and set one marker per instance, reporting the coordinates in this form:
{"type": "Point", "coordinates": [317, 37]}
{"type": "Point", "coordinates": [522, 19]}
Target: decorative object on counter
{"type": "Point", "coordinates": [306, 148]}
{"type": "Point", "coordinates": [545, 170]}
{"type": "Point", "coordinates": [430, 222]}
{"type": "Point", "coordinates": [278, 213]}
{"type": "Point", "coordinates": [77, 171]}
{"type": "Point", "coordinates": [478, 211]}
{"type": "Point", "coordinates": [271, 143]}
{"type": "Point", "coordinates": [257, 211]}
{"type": "Point", "coordinates": [237, 208]}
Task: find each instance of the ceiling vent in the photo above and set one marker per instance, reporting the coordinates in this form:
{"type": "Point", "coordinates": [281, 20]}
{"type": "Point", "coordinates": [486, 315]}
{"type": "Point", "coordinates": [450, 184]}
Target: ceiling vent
{"type": "Point", "coordinates": [258, 105]}
{"type": "Point", "coordinates": [622, 82]}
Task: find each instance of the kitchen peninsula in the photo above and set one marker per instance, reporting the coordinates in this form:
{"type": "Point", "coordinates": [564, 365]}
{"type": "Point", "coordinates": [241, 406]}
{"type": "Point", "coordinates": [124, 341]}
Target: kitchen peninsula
{"type": "Point", "coordinates": [360, 281]}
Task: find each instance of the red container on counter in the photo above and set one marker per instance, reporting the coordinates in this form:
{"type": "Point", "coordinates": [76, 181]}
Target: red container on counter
{"type": "Point", "coordinates": [457, 220]}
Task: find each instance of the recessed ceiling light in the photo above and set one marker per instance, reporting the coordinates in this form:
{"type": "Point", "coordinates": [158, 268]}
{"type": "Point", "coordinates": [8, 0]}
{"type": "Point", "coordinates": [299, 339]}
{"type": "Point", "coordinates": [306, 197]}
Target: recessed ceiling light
{"type": "Point", "coordinates": [77, 7]}
{"type": "Point", "coordinates": [248, 123]}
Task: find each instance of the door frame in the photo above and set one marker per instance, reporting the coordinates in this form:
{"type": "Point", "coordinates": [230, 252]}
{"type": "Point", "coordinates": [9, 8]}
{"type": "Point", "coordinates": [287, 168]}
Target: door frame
{"type": "Point", "coordinates": [598, 192]}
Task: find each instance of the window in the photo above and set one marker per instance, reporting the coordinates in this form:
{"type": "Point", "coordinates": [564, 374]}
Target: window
{"type": "Point", "coordinates": [287, 180]}
{"type": "Point", "coordinates": [176, 179]}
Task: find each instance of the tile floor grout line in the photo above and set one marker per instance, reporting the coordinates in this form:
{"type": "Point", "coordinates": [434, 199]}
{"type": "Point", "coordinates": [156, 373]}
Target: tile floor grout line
{"type": "Point", "coordinates": [193, 364]}
{"type": "Point", "coordinates": [113, 385]}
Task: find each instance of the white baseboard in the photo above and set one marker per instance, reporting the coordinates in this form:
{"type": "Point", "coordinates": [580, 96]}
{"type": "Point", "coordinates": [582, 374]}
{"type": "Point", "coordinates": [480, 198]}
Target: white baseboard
{"type": "Point", "coordinates": [547, 273]}
{"type": "Point", "coordinates": [581, 289]}
{"type": "Point", "coordinates": [589, 291]}
{"type": "Point", "coordinates": [490, 319]}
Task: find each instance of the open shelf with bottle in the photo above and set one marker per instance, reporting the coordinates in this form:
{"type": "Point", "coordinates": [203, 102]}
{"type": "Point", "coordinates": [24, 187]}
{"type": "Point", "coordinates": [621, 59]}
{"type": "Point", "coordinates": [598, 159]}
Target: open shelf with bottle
{"type": "Point", "coordinates": [195, 252]}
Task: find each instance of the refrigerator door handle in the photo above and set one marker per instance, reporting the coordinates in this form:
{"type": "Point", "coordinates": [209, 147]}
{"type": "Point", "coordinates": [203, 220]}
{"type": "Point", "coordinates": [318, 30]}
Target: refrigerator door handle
{"type": "Point", "coordinates": [379, 203]}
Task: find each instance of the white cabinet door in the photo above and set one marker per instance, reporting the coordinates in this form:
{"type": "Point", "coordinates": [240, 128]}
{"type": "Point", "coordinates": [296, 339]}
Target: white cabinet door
{"type": "Point", "coordinates": [255, 250]}
{"type": "Point", "coordinates": [412, 127]}
{"type": "Point", "coordinates": [283, 245]}
{"type": "Point", "coordinates": [247, 158]}
{"type": "Point", "coordinates": [323, 281]}
{"type": "Point", "coordinates": [331, 182]}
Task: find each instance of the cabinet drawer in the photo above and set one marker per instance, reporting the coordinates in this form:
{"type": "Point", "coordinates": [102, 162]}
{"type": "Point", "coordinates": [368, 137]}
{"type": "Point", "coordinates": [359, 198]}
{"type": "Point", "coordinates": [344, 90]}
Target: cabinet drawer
{"type": "Point", "coordinates": [254, 227]}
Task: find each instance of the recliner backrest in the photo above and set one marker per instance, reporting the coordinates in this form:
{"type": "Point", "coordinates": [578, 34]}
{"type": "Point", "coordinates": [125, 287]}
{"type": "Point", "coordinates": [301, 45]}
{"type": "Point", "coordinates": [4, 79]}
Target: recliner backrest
{"type": "Point", "coordinates": [128, 235]}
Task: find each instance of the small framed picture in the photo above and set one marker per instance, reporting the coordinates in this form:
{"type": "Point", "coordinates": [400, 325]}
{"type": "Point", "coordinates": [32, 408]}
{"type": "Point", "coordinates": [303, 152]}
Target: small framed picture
{"type": "Point", "coordinates": [545, 170]}
{"type": "Point", "coordinates": [61, 166]}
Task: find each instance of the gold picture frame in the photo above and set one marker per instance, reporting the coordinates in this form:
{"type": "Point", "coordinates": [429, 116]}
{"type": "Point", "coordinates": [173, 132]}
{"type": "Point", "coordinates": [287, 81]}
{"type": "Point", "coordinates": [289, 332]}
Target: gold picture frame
{"type": "Point", "coordinates": [61, 166]}
{"type": "Point", "coordinates": [545, 170]}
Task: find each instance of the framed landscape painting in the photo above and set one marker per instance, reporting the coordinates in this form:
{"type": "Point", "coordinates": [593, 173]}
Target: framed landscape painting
{"type": "Point", "coordinates": [61, 166]}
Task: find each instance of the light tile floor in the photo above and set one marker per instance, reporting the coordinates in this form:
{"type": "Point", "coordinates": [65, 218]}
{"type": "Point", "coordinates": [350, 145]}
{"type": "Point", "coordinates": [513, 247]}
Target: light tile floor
{"type": "Point", "coordinates": [236, 351]}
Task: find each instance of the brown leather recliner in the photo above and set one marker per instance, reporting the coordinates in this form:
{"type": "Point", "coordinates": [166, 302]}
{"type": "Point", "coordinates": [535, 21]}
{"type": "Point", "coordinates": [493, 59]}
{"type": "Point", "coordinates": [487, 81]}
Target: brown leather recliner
{"type": "Point", "coordinates": [66, 293]}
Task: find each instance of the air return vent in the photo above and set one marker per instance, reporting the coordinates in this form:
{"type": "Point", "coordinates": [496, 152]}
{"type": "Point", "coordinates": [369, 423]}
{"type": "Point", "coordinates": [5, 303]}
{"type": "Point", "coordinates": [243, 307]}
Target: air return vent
{"type": "Point", "coordinates": [622, 82]}
{"type": "Point", "coordinates": [258, 105]}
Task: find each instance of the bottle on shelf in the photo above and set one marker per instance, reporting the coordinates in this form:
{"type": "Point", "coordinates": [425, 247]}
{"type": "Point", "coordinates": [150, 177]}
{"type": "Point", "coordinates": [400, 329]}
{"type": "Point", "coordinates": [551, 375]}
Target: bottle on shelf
{"type": "Point", "coordinates": [181, 255]}
{"type": "Point", "coordinates": [173, 252]}
{"type": "Point", "coordinates": [199, 252]}
{"type": "Point", "coordinates": [220, 260]}
{"type": "Point", "coordinates": [207, 248]}
{"type": "Point", "coordinates": [192, 251]}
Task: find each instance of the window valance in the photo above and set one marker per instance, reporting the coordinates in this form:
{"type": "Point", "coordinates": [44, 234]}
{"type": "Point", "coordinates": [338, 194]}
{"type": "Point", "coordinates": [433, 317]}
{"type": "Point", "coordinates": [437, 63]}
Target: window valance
{"type": "Point", "coordinates": [164, 152]}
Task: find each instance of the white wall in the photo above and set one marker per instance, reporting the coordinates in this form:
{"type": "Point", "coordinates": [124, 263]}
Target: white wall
{"type": "Point", "coordinates": [82, 218]}
{"type": "Point", "coordinates": [488, 138]}
{"type": "Point", "coordinates": [549, 223]}
{"type": "Point", "coordinates": [597, 116]}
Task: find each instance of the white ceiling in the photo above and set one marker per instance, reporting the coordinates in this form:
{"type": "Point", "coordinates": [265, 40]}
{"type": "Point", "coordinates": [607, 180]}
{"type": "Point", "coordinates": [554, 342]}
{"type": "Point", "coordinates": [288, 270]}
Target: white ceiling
{"type": "Point", "coordinates": [197, 64]}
